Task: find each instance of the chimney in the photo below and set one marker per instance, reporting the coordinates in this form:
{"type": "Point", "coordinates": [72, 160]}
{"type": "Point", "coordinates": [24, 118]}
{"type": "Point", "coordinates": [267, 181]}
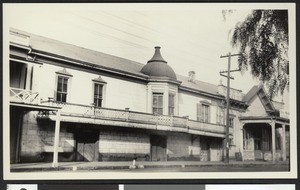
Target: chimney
{"type": "Point", "coordinates": [192, 76]}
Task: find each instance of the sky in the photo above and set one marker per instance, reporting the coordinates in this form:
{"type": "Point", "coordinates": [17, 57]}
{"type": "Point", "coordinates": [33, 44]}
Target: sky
{"type": "Point", "coordinates": [192, 36]}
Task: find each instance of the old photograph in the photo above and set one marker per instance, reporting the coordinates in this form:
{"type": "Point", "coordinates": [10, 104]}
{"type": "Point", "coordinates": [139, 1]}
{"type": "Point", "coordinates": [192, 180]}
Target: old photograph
{"type": "Point", "coordinates": [138, 91]}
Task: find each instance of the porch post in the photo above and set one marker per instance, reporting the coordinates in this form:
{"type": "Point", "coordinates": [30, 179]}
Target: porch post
{"type": "Point", "coordinates": [242, 139]}
{"type": "Point", "coordinates": [28, 77]}
{"type": "Point", "coordinates": [56, 140]}
{"type": "Point", "coordinates": [273, 140]}
{"type": "Point", "coordinates": [283, 143]}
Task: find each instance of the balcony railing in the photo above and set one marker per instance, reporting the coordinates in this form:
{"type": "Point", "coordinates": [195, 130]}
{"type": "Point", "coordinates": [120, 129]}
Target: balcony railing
{"type": "Point", "coordinates": [24, 96]}
{"type": "Point", "coordinates": [137, 119]}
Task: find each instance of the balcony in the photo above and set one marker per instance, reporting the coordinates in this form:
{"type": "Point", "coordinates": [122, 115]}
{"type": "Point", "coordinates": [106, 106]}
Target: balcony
{"type": "Point", "coordinates": [24, 96]}
{"type": "Point", "coordinates": [125, 118]}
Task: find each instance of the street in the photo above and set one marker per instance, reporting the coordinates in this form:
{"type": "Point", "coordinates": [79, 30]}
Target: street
{"type": "Point", "coordinates": [255, 168]}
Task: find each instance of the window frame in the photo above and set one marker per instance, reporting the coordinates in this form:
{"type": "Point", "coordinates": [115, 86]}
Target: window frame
{"type": "Point", "coordinates": [103, 83]}
{"type": "Point", "coordinates": [62, 92]}
{"type": "Point", "coordinates": [205, 114]}
{"type": "Point", "coordinates": [102, 93]}
{"type": "Point", "coordinates": [200, 111]}
{"type": "Point", "coordinates": [65, 74]}
{"type": "Point", "coordinates": [220, 115]}
{"type": "Point", "coordinates": [158, 107]}
{"type": "Point", "coordinates": [171, 107]}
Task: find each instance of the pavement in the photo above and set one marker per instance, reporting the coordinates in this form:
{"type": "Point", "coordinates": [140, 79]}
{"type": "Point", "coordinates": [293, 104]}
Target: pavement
{"type": "Point", "coordinates": [76, 166]}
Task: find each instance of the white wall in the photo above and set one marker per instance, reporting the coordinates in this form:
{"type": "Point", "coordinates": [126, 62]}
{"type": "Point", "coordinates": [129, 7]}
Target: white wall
{"type": "Point", "coordinates": [256, 108]}
{"type": "Point", "coordinates": [120, 94]}
{"type": "Point", "coordinates": [188, 106]}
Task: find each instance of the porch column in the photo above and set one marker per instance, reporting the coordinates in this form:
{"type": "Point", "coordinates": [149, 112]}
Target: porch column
{"type": "Point", "coordinates": [29, 77]}
{"type": "Point", "coordinates": [273, 140]}
{"type": "Point", "coordinates": [241, 148]}
{"type": "Point", "coordinates": [56, 140]}
{"type": "Point", "coordinates": [283, 143]}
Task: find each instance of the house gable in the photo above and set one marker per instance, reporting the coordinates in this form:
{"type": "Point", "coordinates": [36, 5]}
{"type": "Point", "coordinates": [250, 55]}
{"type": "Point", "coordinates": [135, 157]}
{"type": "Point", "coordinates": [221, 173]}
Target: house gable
{"type": "Point", "coordinates": [259, 103]}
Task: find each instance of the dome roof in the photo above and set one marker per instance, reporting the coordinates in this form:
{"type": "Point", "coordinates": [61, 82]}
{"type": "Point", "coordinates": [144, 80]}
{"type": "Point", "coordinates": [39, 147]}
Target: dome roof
{"type": "Point", "coordinates": [158, 67]}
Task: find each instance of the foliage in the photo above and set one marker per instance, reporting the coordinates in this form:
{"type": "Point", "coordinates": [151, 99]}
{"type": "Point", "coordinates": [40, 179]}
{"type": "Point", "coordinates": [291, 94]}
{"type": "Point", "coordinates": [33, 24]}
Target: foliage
{"type": "Point", "coordinates": [262, 40]}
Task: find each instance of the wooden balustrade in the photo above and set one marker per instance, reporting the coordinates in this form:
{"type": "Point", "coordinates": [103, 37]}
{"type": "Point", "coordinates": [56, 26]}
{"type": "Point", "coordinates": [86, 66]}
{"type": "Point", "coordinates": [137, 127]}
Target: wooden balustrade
{"type": "Point", "coordinates": [24, 96]}
{"type": "Point", "coordinates": [137, 117]}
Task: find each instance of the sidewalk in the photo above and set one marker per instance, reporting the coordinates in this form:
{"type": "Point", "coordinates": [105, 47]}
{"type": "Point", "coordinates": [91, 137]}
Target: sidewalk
{"type": "Point", "coordinates": [75, 166]}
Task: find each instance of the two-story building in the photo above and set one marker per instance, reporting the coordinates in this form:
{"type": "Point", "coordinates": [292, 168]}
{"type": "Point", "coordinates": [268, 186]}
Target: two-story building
{"type": "Point", "coordinates": [69, 103]}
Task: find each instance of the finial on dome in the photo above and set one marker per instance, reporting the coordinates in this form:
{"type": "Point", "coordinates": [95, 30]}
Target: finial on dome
{"type": "Point", "coordinates": [157, 56]}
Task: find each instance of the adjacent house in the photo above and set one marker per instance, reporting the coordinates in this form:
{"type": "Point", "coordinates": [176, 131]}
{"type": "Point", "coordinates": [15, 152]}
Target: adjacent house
{"type": "Point", "coordinates": [69, 103]}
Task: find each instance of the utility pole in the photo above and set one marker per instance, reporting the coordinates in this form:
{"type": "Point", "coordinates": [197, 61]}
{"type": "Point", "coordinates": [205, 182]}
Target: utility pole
{"type": "Point", "coordinates": [227, 100]}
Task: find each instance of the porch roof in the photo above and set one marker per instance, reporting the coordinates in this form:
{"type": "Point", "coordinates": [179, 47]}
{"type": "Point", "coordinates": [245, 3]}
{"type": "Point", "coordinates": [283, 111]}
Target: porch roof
{"type": "Point", "coordinates": [34, 107]}
{"type": "Point", "coordinates": [256, 119]}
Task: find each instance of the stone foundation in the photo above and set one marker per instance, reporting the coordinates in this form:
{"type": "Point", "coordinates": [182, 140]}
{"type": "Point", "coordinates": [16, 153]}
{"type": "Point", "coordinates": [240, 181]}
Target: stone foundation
{"type": "Point", "coordinates": [38, 139]}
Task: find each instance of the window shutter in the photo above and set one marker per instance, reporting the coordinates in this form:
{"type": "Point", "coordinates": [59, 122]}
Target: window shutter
{"type": "Point", "coordinates": [208, 119]}
{"type": "Point", "coordinates": [198, 112]}
{"type": "Point", "coordinates": [55, 94]}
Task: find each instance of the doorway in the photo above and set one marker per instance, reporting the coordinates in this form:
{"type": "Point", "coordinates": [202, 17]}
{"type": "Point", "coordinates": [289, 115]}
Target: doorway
{"type": "Point", "coordinates": [87, 146]}
{"type": "Point", "coordinates": [158, 148]}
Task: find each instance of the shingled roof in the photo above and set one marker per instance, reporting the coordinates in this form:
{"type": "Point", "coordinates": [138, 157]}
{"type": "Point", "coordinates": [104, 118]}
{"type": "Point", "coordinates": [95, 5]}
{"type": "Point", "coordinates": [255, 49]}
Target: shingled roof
{"type": "Point", "coordinates": [198, 85]}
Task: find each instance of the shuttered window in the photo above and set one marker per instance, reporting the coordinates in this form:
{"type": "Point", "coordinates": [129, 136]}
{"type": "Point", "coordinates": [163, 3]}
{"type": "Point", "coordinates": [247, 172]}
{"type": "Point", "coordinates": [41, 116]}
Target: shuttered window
{"type": "Point", "coordinates": [203, 112]}
{"type": "Point", "coordinates": [199, 118]}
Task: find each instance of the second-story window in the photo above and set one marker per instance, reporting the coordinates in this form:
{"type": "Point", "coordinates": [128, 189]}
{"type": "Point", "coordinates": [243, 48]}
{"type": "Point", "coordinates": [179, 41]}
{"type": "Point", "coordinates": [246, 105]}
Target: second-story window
{"type": "Point", "coordinates": [62, 89]}
{"type": "Point", "coordinates": [157, 104]}
{"type": "Point", "coordinates": [98, 94]}
{"type": "Point", "coordinates": [205, 113]}
{"type": "Point", "coordinates": [220, 116]}
{"type": "Point", "coordinates": [62, 85]}
{"type": "Point", "coordinates": [171, 104]}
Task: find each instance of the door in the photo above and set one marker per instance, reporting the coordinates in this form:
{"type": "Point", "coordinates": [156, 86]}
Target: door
{"type": "Point", "coordinates": [215, 150]}
{"type": "Point", "coordinates": [205, 147]}
{"type": "Point", "coordinates": [158, 148]}
{"type": "Point", "coordinates": [16, 122]}
{"type": "Point", "coordinates": [18, 73]}
{"type": "Point", "coordinates": [87, 146]}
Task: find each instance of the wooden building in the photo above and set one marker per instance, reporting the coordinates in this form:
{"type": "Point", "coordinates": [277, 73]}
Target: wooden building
{"type": "Point", "coordinates": [69, 103]}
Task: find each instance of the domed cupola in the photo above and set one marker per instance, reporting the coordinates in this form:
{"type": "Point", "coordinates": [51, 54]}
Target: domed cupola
{"type": "Point", "coordinates": [158, 67]}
